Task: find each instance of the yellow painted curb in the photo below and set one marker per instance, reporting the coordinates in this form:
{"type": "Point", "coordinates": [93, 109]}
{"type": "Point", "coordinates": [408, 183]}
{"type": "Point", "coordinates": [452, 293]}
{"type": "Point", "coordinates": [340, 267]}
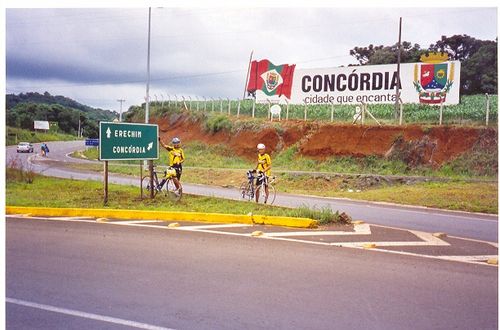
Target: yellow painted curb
{"type": "Point", "coordinates": [492, 261]}
{"type": "Point", "coordinates": [369, 246]}
{"type": "Point", "coordinates": [439, 235]}
{"type": "Point", "coordinates": [358, 222]}
{"type": "Point", "coordinates": [284, 221]}
{"type": "Point", "coordinates": [174, 224]}
{"type": "Point", "coordinates": [164, 215]}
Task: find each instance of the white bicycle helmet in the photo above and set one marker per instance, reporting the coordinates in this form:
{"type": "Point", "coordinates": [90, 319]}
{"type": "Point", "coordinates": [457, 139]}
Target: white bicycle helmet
{"type": "Point", "coordinates": [261, 146]}
{"type": "Point", "coordinates": [176, 140]}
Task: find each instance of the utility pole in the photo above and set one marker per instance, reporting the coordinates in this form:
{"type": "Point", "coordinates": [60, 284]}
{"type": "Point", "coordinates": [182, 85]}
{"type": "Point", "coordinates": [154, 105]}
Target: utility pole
{"type": "Point", "coordinates": [121, 103]}
{"type": "Point", "coordinates": [396, 104]}
{"type": "Point", "coordinates": [150, 162]}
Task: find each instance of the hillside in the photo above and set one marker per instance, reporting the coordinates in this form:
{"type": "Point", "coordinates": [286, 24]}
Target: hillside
{"type": "Point", "coordinates": [70, 116]}
{"type": "Point", "coordinates": [13, 100]}
{"type": "Point", "coordinates": [468, 150]}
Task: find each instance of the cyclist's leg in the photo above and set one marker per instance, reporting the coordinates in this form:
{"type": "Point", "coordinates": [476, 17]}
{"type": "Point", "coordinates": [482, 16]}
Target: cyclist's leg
{"type": "Point", "coordinates": [177, 178]}
{"type": "Point", "coordinates": [258, 185]}
{"type": "Point", "coordinates": [266, 188]}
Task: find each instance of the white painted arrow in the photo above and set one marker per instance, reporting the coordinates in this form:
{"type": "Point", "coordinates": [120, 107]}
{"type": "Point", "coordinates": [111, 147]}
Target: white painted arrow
{"type": "Point", "coordinates": [108, 133]}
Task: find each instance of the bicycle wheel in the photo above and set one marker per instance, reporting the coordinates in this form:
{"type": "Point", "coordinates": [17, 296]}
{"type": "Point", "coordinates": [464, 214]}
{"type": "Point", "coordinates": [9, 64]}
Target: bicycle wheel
{"type": "Point", "coordinates": [145, 186]}
{"type": "Point", "coordinates": [270, 198]}
{"type": "Point", "coordinates": [246, 191]}
{"type": "Point", "coordinates": [171, 191]}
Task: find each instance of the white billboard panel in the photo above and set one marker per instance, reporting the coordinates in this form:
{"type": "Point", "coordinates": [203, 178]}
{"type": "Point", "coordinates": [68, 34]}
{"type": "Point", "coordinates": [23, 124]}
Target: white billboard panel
{"type": "Point", "coordinates": [38, 124]}
{"type": "Point", "coordinates": [424, 83]}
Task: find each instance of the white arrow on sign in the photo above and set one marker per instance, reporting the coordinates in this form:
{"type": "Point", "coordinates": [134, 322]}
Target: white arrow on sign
{"type": "Point", "coordinates": [108, 133]}
{"type": "Point", "coordinates": [150, 145]}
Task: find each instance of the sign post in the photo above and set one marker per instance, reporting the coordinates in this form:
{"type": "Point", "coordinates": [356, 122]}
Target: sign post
{"type": "Point", "coordinates": [126, 141]}
{"type": "Point", "coordinates": [105, 182]}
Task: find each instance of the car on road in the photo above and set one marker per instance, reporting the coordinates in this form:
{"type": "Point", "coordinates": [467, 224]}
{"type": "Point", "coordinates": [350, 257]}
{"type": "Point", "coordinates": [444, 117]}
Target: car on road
{"type": "Point", "coordinates": [24, 147]}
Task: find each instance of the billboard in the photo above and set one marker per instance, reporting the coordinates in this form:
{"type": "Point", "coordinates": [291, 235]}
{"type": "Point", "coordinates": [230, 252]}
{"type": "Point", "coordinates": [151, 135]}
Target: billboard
{"type": "Point", "coordinates": [430, 82]}
{"type": "Point", "coordinates": [38, 124]}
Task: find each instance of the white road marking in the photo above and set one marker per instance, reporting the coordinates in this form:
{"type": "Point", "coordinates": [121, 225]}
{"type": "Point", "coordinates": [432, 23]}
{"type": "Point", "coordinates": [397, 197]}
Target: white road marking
{"type": "Point", "coordinates": [232, 225]}
{"type": "Point", "coordinates": [16, 216]}
{"type": "Point", "coordinates": [427, 238]}
{"type": "Point", "coordinates": [363, 229]}
{"type": "Point", "coordinates": [469, 258]}
{"type": "Point", "coordinates": [85, 315]}
{"type": "Point", "coordinates": [133, 222]}
{"type": "Point", "coordinates": [72, 218]}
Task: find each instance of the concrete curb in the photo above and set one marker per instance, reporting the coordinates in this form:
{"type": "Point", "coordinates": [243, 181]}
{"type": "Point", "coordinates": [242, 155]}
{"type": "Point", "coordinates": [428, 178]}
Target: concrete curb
{"type": "Point", "coordinates": [164, 216]}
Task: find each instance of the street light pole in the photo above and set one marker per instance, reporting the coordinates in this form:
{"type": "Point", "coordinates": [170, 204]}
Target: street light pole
{"type": "Point", "coordinates": [396, 104]}
{"type": "Point", "coordinates": [121, 102]}
{"type": "Point", "coordinates": [150, 162]}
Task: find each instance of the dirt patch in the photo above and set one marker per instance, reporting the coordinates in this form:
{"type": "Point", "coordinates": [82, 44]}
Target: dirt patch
{"type": "Point", "coordinates": [417, 145]}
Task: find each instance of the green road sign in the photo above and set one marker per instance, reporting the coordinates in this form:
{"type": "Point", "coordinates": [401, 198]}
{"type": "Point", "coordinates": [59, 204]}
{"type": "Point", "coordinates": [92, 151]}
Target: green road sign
{"type": "Point", "coordinates": [127, 141]}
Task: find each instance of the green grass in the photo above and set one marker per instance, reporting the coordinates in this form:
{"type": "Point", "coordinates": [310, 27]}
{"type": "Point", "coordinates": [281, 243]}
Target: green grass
{"type": "Point", "coordinates": [461, 196]}
{"type": "Point", "coordinates": [24, 135]}
{"type": "Point", "coordinates": [471, 165]}
{"type": "Point", "coordinates": [66, 193]}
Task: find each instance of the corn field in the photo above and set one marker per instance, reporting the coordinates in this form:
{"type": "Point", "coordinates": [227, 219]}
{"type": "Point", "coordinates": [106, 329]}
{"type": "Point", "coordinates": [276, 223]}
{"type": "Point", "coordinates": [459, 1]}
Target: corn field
{"type": "Point", "coordinates": [472, 110]}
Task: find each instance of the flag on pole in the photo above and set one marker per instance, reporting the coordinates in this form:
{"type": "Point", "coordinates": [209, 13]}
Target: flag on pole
{"type": "Point", "coordinates": [271, 79]}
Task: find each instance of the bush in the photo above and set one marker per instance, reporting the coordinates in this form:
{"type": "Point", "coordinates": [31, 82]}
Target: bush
{"type": "Point", "coordinates": [217, 123]}
{"type": "Point", "coordinates": [324, 216]}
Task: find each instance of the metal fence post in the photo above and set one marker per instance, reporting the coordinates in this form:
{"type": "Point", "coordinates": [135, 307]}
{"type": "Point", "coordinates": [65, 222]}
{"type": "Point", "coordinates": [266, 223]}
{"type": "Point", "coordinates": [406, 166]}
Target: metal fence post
{"type": "Point", "coordinates": [229, 107]}
{"type": "Point", "coordinates": [287, 103]}
{"type": "Point", "coordinates": [220, 105]}
{"type": "Point", "coordinates": [363, 108]}
{"type": "Point", "coordinates": [487, 109]}
{"type": "Point", "coordinates": [253, 108]}
{"type": "Point", "coordinates": [331, 114]}
{"type": "Point", "coordinates": [400, 112]}
{"type": "Point", "coordinates": [305, 111]}
{"type": "Point", "coordinates": [238, 112]}
{"type": "Point", "coordinates": [441, 113]}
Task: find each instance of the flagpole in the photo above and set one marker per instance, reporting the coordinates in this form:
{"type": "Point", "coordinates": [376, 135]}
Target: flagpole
{"type": "Point", "coordinates": [248, 73]}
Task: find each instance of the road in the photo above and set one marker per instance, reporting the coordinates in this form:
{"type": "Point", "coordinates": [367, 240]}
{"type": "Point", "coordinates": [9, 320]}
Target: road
{"type": "Point", "coordinates": [462, 224]}
{"type": "Point", "coordinates": [89, 275]}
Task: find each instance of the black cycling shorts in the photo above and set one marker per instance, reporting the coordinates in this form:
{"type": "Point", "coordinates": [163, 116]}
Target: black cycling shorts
{"type": "Point", "coordinates": [178, 171]}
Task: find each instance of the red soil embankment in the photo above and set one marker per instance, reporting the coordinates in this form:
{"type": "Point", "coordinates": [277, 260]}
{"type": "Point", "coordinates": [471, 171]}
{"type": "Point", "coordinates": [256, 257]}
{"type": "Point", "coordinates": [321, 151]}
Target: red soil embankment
{"type": "Point", "coordinates": [435, 145]}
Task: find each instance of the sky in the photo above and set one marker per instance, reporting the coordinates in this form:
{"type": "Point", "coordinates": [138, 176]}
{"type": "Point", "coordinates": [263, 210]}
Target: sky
{"type": "Point", "coordinates": [99, 55]}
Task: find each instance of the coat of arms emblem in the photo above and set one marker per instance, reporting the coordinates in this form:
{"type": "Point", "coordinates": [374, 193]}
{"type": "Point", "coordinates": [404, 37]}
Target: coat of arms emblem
{"type": "Point", "coordinates": [433, 78]}
{"type": "Point", "coordinates": [272, 79]}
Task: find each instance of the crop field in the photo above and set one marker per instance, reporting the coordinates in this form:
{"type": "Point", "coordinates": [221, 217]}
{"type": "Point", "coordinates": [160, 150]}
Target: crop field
{"type": "Point", "coordinates": [470, 111]}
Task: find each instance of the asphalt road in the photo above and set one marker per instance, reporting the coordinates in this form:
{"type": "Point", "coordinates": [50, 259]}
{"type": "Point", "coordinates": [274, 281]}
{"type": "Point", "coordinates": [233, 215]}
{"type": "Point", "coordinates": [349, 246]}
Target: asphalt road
{"type": "Point", "coordinates": [82, 275]}
{"type": "Point", "coordinates": [462, 224]}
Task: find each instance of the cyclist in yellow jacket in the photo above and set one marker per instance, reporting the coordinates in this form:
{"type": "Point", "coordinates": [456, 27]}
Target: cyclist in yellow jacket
{"type": "Point", "coordinates": [264, 169]}
{"type": "Point", "coordinates": [175, 158]}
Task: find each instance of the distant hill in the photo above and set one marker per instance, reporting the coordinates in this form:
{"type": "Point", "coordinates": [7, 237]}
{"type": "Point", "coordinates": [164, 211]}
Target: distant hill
{"type": "Point", "coordinates": [70, 116]}
{"type": "Point", "coordinates": [97, 114]}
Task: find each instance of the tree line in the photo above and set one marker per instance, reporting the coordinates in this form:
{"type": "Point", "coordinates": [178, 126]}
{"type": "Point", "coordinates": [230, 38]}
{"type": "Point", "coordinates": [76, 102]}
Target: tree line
{"type": "Point", "coordinates": [479, 72]}
{"type": "Point", "coordinates": [24, 109]}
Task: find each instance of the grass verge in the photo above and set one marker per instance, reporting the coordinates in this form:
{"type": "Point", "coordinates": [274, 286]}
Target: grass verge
{"type": "Point", "coordinates": [69, 193]}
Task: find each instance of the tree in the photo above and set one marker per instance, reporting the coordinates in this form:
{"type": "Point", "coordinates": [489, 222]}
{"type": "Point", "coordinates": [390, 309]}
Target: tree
{"type": "Point", "coordinates": [480, 71]}
{"type": "Point", "coordinates": [458, 47]}
{"type": "Point", "coordinates": [387, 54]}
{"type": "Point", "coordinates": [478, 59]}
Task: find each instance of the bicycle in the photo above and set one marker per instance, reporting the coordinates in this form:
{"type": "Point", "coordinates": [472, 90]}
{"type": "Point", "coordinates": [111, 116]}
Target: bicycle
{"type": "Point", "coordinates": [249, 187]}
{"type": "Point", "coordinates": [167, 188]}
